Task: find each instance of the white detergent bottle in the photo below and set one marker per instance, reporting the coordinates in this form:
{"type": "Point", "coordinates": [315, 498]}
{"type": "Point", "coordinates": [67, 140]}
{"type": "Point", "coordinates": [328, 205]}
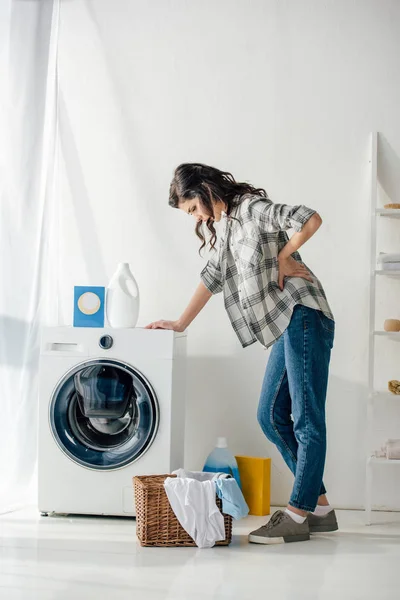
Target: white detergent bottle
{"type": "Point", "coordinates": [122, 303]}
{"type": "Point", "coordinates": [221, 460]}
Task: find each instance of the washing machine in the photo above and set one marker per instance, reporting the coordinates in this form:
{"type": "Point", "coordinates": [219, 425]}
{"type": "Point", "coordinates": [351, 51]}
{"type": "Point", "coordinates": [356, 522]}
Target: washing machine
{"type": "Point", "coordinates": [111, 406]}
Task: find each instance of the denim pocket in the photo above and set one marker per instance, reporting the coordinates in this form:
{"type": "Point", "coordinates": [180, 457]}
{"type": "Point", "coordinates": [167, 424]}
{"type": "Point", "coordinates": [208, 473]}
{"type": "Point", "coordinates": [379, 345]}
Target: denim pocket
{"type": "Point", "coordinates": [327, 324]}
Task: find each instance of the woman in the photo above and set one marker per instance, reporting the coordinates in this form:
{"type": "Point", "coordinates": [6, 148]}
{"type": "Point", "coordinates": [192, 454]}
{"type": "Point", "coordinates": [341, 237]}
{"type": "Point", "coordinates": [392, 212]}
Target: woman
{"type": "Point", "coordinates": [273, 298]}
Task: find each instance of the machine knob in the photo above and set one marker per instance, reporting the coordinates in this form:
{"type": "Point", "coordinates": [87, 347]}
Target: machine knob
{"type": "Point", "coordinates": [106, 342]}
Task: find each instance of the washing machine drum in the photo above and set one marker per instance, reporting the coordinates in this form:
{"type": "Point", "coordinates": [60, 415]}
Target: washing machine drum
{"type": "Point", "coordinates": [104, 414]}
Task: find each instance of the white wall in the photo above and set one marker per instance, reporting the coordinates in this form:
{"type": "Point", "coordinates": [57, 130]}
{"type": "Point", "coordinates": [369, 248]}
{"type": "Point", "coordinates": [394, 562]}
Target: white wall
{"type": "Point", "coordinates": [283, 94]}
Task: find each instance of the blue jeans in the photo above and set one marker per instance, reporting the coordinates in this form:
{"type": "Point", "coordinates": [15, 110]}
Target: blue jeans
{"type": "Point", "coordinates": [292, 404]}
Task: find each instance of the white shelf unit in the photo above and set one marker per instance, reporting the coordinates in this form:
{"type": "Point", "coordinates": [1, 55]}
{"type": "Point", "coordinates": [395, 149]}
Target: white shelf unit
{"type": "Point", "coordinates": [373, 394]}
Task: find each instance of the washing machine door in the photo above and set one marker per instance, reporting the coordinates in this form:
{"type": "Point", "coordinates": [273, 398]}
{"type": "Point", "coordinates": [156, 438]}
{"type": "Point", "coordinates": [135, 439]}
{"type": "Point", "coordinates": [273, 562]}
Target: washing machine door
{"type": "Point", "coordinates": [104, 414]}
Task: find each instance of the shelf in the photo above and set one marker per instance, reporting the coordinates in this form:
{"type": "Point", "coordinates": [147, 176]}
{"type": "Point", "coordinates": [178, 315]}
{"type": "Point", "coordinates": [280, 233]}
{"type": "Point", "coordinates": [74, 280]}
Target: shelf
{"type": "Point", "coordinates": [393, 335]}
{"type": "Point", "coordinates": [388, 272]}
{"type": "Point", "coordinates": [376, 395]}
{"type": "Point", "coordinates": [374, 460]}
{"type": "Point", "coordinates": [394, 213]}
{"type": "Point", "coordinates": [385, 394]}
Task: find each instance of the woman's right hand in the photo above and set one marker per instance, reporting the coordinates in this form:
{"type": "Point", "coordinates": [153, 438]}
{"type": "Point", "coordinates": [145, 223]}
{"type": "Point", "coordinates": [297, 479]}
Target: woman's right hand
{"type": "Point", "coordinates": [174, 325]}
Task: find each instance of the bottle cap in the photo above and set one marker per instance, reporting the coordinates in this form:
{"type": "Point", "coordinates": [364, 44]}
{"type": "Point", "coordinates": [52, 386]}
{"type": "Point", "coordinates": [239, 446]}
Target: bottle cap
{"type": "Point", "coordinates": [221, 442]}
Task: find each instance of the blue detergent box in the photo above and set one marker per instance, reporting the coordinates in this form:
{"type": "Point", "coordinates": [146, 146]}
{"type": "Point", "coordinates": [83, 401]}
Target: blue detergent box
{"type": "Point", "coordinates": [89, 306]}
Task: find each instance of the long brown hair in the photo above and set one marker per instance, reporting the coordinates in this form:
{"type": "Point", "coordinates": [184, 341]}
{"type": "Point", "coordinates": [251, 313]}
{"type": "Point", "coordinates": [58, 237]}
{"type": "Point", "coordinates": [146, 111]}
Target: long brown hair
{"type": "Point", "coordinates": [195, 180]}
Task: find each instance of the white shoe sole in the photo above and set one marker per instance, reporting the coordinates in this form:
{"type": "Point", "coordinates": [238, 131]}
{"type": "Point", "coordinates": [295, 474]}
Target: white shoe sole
{"type": "Point", "coordinates": [258, 539]}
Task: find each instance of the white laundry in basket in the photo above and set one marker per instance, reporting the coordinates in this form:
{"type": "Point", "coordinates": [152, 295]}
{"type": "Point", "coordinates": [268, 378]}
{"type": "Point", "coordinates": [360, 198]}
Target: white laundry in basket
{"type": "Point", "coordinates": [195, 507]}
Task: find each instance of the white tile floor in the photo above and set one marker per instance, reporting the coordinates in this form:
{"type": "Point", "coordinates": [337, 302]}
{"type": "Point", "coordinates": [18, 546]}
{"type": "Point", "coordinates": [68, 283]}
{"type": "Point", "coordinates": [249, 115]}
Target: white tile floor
{"type": "Point", "coordinates": [80, 558]}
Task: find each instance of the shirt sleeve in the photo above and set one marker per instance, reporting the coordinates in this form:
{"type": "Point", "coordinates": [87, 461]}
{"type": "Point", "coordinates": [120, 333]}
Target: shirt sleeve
{"type": "Point", "coordinates": [275, 217]}
{"type": "Point", "coordinates": [211, 275]}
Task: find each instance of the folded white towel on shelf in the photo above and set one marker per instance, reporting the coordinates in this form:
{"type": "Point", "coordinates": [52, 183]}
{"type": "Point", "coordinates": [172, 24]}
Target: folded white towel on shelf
{"type": "Point", "coordinates": [390, 450]}
{"type": "Point", "coordinates": [393, 449]}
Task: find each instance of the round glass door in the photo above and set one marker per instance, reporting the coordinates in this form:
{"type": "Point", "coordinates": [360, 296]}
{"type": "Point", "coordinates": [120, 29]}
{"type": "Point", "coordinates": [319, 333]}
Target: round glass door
{"type": "Point", "coordinates": [104, 414]}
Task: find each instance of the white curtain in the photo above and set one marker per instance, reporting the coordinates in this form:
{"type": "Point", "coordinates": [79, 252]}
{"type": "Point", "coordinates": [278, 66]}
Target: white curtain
{"type": "Point", "coordinates": [28, 229]}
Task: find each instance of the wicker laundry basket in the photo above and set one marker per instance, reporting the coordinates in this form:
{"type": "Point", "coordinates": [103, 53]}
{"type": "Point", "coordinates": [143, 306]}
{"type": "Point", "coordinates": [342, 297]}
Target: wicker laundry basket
{"type": "Point", "coordinates": [156, 523]}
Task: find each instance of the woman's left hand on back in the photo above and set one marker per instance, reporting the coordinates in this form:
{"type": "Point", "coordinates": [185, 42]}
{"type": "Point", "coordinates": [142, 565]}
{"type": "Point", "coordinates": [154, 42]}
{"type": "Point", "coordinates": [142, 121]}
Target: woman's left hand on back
{"type": "Point", "coordinates": [289, 267]}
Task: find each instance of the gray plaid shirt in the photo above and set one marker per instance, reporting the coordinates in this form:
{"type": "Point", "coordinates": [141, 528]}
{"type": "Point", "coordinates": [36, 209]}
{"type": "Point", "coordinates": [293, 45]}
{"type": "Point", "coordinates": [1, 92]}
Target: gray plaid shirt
{"type": "Point", "coordinates": [245, 268]}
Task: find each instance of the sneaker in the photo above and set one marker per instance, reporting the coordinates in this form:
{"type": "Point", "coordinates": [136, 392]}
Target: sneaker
{"type": "Point", "coordinates": [322, 524]}
{"type": "Point", "coordinates": [279, 529]}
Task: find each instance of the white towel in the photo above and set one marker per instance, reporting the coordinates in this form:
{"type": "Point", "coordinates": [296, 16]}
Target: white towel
{"type": "Point", "coordinates": [390, 450]}
{"type": "Point", "coordinates": [194, 505]}
{"type": "Point", "coordinates": [393, 449]}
